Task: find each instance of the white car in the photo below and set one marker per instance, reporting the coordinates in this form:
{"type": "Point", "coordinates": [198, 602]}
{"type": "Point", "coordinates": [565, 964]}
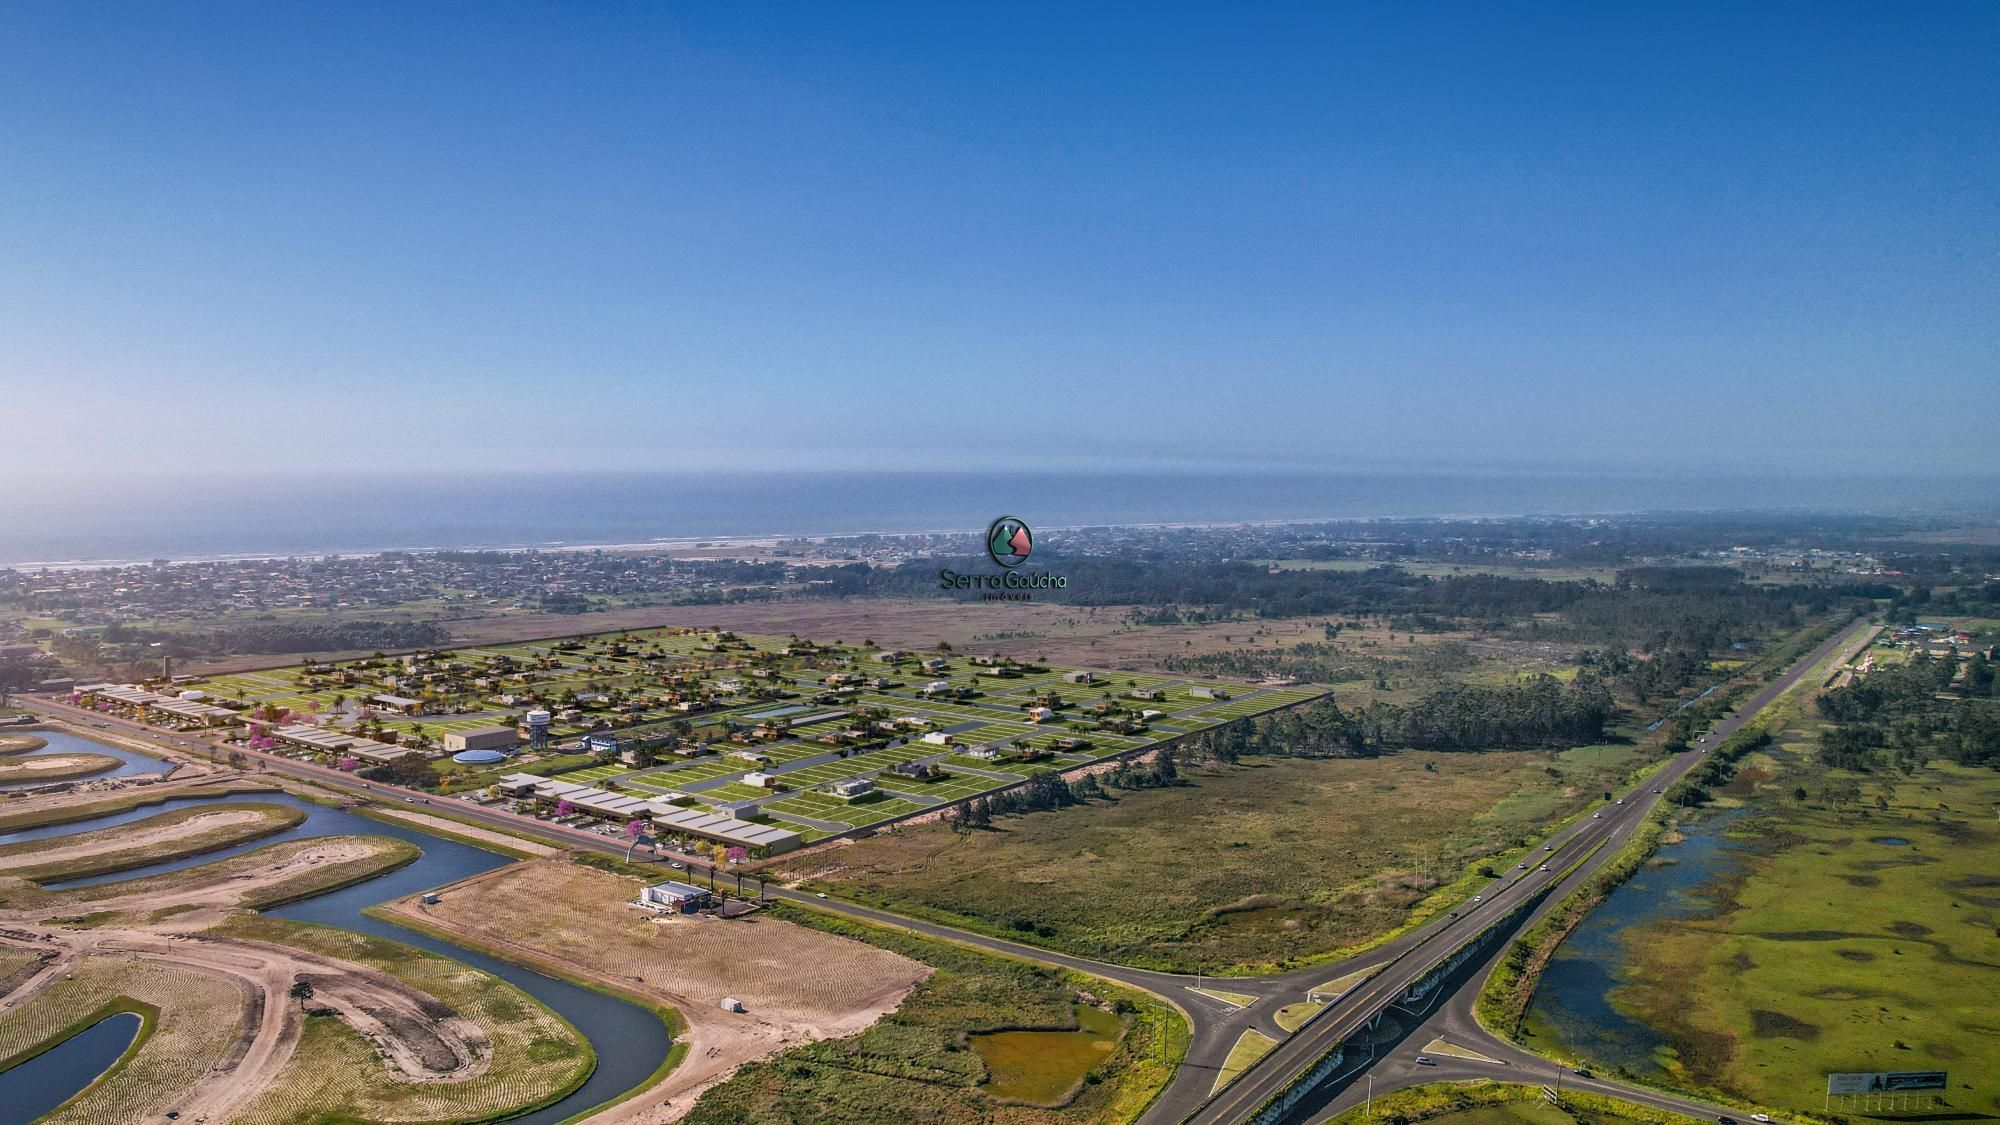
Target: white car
{"type": "Point", "coordinates": [1760, 1117]}
{"type": "Point", "coordinates": [1597, 816]}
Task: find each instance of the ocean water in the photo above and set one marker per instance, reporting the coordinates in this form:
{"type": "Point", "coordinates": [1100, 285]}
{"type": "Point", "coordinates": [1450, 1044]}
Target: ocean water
{"type": "Point", "coordinates": [55, 521]}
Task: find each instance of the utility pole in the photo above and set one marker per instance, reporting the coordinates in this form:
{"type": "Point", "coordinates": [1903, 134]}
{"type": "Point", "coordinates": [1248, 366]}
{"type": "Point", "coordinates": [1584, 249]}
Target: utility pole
{"type": "Point", "coordinates": [1369, 1110]}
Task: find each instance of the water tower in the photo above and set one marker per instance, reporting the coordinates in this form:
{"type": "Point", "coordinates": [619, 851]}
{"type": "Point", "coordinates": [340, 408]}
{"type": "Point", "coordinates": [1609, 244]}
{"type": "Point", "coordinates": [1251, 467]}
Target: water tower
{"type": "Point", "coordinates": [538, 731]}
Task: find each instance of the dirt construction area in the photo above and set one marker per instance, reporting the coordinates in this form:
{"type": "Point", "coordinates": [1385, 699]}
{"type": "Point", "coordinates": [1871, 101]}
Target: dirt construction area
{"type": "Point", "coordinates": [53, 767]}
{"type": "Point", "coordinates": [125, 839]}
{"type": "Point", "coordinates": [150, 938]}
{"type": "Point", "coordinates": [797, 984]}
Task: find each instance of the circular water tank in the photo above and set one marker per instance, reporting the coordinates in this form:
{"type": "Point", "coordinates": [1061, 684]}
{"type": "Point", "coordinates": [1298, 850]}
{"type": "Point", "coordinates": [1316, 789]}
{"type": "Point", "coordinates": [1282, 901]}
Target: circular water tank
{"type": "Point", "coordinates": [478, 757]}
{"type": "Point", "coordinates": [194, 696]}
{"type": "Point", "coordinates": [538, 718]}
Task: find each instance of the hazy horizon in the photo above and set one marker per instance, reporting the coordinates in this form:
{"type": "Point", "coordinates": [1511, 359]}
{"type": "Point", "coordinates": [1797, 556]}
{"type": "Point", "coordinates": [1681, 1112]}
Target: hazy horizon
{"type": "Point", "coordinates": [311, 514]}
{"type": "Point", "coordinates": [244, 239]}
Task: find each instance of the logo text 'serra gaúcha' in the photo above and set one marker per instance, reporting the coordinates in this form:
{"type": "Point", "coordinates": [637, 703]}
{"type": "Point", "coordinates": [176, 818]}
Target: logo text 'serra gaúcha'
{"type": "Point", "coordinates": [1009, 542]}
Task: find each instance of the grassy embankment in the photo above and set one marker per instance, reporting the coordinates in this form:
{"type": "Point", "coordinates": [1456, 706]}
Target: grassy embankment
{"type": "Point", "coordinates": [1185, 877]}
{"type": "Point", "coordinates": [378, 855]}
{"type": "Point", "coordinates": [263, 820]}
{"type": "Point", "coordinates": [124, 802]}
{"type": "Point", "coordinates": [676, 1024]}
{"type": "Point", "coordinates": [1483, 1102]}
{"type": "Point", "coordinates": [190, 1022]}
{"type": "Point", "coordinates": [537, 1057]}
{"type": "Point", "coordinates": [489, 838]}
{"type": "Point", "coordinates": [21, 769]}
{"type": "Point", "coordinates": [923, 1062]}
{"type": "Point", "coordinates": [1505, 997]}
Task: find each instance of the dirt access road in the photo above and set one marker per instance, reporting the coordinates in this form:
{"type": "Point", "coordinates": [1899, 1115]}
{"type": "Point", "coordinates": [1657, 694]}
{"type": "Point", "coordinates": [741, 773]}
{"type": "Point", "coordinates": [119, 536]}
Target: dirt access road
{"type": "Point", "coordinates": [799, 985]}
{"type": "Point", "coordinates": [416, 1035]}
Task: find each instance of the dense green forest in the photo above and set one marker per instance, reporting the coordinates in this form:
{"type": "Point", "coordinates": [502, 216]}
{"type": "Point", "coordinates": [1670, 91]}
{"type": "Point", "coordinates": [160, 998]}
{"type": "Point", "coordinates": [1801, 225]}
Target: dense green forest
{"type": "Point", "coordinates": [1900, 715]}
{"type": "Point", "coordinates": [264, 638]}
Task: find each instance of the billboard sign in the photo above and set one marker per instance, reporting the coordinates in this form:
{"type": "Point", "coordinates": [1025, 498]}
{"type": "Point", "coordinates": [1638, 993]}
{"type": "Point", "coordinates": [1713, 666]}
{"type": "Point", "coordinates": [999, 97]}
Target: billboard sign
{"type": "Point", "coordinates": [1885, 1081]}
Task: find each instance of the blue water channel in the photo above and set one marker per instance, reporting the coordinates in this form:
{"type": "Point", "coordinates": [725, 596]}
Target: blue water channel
{"type": "Point", "coordinates": [63, 742]}
{"type": "Point", "coordinates": [630, 1041]}
{"type": "Point", "coordinates": [53, 1077]}
{"type": "Point", "coordinates": [1575, 996]}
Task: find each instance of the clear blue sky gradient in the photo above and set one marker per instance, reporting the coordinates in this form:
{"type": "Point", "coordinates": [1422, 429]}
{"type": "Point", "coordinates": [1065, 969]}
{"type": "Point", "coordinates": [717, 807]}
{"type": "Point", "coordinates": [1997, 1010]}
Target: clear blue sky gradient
{"type": "Point", "coordinates": [1746, 236]}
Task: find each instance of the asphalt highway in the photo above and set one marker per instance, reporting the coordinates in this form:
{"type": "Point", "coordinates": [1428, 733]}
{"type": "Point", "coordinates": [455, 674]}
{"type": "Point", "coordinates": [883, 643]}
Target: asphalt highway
{"type": "Point", "coordinates": [1216, 1023]}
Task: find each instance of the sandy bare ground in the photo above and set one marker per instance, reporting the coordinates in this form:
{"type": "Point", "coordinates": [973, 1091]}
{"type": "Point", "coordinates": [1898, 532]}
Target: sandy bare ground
{"type": "Point", "coordinates": [798, 984]}
{"type": "Point", "coordinates": [471, 831]}
{"type": "Point", "coordinates": [90, 792]}
{"type": "Point", "coordinates": [201, 893]}
{"type": "Point", "coordinates": [17, 769]}
{"type": "Point", "coordinates": [146, 838]}
{"type": "Point", "coordinates": [416, 1035]}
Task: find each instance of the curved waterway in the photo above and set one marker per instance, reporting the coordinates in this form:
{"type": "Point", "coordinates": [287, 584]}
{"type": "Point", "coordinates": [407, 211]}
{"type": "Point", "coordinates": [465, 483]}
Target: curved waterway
{"type": "Point", "coordinates": [1574, 1003]}
{"type": "Point", "coordinates": [61, 742]}
{"type": "Point", "coordinates": [56, 1075]}
{"type": "Point", "coordinates": [630, 1041]}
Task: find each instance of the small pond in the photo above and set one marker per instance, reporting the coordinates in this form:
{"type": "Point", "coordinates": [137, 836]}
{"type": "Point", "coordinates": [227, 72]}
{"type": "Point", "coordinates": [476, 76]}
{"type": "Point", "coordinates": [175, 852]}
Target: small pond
{"type": "Point", "coordinates": [1040, 1067]}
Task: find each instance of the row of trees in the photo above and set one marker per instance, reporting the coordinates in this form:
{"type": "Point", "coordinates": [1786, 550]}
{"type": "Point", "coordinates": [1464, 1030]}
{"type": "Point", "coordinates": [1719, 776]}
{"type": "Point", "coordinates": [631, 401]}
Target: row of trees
{"type": "Point", "coordinates": [1049, 791]}
{"type": "Point", "coordinates": [1543, 712]}
{"type": "Point", "coordinates": [1716, 768]}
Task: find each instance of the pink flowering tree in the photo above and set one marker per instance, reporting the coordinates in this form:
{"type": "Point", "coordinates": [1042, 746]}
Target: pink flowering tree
{"type": "Point", "coordinates": [635, 829]}
{"type": "Point", "coordinates": [564, 808]}
{"type": "Point", "coordinates": [75, 698]}
{"type": "Point", "coordinates": [350, 764]}
{"type": "Point", "coordinates": [738, 854]}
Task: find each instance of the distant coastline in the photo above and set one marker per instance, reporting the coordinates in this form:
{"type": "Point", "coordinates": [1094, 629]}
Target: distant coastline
{"type": "Point", "coordinates": [239, 520]}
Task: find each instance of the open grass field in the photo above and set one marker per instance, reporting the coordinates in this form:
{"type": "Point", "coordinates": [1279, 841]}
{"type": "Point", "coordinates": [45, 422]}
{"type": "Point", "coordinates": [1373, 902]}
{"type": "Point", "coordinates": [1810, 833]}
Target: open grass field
{"type": "Point", "coordinates": [154, 839]}
{"type": "Point", "coordinates": [1483, 1102]}
{"type": "Point", "coordinates": [1240, 868]}
{"type": "Point", "coordinates": [914, 1064]}
{"type": "Point", "coordinates": [1852, 935]}
{"type": "Point", "coordinates": [535, 1057]}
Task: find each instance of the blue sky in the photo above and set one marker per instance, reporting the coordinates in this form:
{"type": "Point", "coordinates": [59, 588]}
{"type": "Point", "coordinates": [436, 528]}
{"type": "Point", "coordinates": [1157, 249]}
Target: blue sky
{"type": "Point", "coordinates": [1697, 237]}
